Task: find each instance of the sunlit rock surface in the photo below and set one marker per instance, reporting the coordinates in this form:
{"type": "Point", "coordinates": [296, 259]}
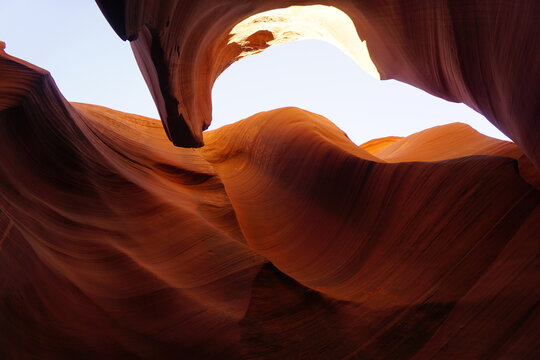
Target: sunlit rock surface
{"type": "Point", "coordinates": [482, 53]}
{"type": "Point", "coordinates": [280, 238]}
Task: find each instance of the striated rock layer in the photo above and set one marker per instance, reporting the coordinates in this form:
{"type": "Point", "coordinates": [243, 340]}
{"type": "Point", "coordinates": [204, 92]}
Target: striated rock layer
{"type": "Point", "coordinates": [482, 53]}
{"type": "Point", "coordinates": [279, 238]}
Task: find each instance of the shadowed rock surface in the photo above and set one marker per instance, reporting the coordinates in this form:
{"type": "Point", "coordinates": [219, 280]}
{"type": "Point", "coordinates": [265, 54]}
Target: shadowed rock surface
{"type": "Point", "coordinates": [280, 238]}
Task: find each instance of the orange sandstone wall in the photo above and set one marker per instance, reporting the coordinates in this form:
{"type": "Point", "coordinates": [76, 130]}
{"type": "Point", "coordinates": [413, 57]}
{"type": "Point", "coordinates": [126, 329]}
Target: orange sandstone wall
{"type": "Point", "coordinates": [482, 53]}
{"type": "Point", "coordinates": [279, 238]}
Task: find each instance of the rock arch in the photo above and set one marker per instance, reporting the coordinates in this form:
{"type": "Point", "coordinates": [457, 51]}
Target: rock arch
{"type": "Point", "coordinates": [479, 53]}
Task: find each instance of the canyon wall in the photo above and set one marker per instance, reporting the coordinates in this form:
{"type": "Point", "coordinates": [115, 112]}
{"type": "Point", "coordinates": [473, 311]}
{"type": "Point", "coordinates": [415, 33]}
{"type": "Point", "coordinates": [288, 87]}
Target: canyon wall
{"type": "Point", "coordinates": [481, 53]}
{"type": "Point", "coordinates": [279, 238]}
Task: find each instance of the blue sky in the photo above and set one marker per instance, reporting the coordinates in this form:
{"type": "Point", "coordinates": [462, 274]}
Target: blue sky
{"type": "Point", "coordinates": [91, 64]}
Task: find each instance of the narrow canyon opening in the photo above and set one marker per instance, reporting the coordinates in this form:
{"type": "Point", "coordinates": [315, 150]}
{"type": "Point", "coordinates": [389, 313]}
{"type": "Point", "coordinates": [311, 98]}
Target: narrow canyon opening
{"type": "Point", "coordinates": [276, 237]}
{"type": "Point", "coordinates": [312, 58]}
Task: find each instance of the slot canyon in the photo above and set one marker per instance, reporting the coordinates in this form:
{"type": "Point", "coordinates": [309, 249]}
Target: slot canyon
{"type": "Point", "coordinates": [277, 237]}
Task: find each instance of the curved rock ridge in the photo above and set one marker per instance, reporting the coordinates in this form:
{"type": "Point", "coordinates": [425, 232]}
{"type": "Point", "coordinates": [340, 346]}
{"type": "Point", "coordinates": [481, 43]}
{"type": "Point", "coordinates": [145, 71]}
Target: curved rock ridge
{"type": "Point", "coordinates": [114, 243]}
{"type": "Point", "coordinates": [279, 238]}
{"type": "Point", "coordinates": [291, 174]}
{"type": "Point", "coordinates": [447, 142]}
{"type": "Point", "coordinates": [482, 53]}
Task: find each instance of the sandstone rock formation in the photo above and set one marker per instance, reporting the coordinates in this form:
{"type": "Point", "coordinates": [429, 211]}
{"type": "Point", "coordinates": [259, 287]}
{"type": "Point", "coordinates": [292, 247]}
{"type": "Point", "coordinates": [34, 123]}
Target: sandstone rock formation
{"type": "Point", "coordinates": [481, 53]}
{"type": "Point", "coordinates": [279, 238]}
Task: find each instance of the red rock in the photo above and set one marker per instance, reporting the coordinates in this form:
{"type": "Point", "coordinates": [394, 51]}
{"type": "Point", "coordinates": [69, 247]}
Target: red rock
{"type": "Point", "coordinates": [481, 53]}
{"type": "Point", "coordinates": [279, 238]}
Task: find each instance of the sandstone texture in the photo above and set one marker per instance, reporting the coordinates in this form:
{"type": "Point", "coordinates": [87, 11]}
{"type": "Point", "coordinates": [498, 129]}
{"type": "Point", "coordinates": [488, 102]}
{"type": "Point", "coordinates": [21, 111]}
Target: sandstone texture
{"type": "Point", "coordinates": [279, 238]}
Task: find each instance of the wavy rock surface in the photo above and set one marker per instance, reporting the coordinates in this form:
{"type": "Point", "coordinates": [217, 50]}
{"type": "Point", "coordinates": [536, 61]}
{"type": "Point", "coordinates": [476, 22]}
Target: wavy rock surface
{"type": "Point", "coordinates": [116, 244]}
{"type": "Point", "coordinates": [448, 142]}
{"type": "Point", "coordinates": [279, 238]}
{"type": "Point", "coordinates": [482, 53]}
